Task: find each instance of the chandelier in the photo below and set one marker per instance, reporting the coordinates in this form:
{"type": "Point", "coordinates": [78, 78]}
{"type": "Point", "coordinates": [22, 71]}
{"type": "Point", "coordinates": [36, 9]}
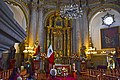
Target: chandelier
{"type": "Point", "coordinates": [72, 11]}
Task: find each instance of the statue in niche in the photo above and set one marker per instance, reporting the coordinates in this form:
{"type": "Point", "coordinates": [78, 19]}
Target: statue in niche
{"type": "Point", "coordinates": [12, 52]}
{"type": "Point", "coordinates": [82, 53]}
{"type": "Point", "coordinates": [58, 44]}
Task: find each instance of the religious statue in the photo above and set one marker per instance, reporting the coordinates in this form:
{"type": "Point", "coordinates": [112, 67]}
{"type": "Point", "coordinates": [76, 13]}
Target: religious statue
{"type": "Point", "coordinates": [82, 54]}
{"type": "Point", "coordinates": [12, 53]}
{"type": "Point", "coordinates": [58, 44]}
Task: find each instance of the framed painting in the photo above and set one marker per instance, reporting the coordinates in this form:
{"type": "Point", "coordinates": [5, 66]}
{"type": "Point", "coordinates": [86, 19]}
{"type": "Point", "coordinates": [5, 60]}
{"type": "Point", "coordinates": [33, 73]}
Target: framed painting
{"type": "Point", "coordinates": [58, 41]}
{"type": "Point", "coordinates": [110, 37]}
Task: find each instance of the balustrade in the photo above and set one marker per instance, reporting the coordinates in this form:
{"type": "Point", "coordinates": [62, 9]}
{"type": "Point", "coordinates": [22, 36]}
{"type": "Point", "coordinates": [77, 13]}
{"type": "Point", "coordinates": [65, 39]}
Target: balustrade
{"type": "Point", "coordinates": [5, 74]}
{"type": "Point", "coordinates": [101, 74]}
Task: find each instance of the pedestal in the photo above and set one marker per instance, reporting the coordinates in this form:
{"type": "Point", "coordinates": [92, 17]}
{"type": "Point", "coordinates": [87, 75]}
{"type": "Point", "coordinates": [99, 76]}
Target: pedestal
{"type": "Point", "coordinates": [83, 66]}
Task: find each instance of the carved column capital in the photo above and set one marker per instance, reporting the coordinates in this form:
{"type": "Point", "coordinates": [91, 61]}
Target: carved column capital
{"type": "Point", "coordinates": [40, 7]}
{"type": "Point", "coordinates": [34, 5]}
{"type": "Point", "coordinates": [48, 30]}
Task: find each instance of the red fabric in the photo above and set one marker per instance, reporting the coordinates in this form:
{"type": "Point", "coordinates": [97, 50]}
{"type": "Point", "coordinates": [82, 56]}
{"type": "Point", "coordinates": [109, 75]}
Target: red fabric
{"type": "Point", "coordinates": [62, 78]}
{"type": "Point", "coordinates": [51, 58]}
{"type": "Point", "coordinates": [12, 63]}
{"type": "Point", "coordinates": [50, 67]}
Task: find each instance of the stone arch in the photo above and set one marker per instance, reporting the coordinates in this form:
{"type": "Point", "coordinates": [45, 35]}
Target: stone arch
{"type": "Point", "coordinates": [25, 12]}
{"type": "Point", "coordinates": [93, 15]}
{"type": "Point", "coordinates": [48, 15]}
{"type": "Point", "coordinates": [102, 7]}
{"type": "Point", "coordinates": [22, 7]}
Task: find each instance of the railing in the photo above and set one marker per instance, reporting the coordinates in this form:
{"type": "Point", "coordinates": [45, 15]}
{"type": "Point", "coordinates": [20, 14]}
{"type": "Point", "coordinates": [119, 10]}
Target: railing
{"type": "Point", "coordinates": [101, 74]}
{"type": "Point", "coordinates": [5, 74]}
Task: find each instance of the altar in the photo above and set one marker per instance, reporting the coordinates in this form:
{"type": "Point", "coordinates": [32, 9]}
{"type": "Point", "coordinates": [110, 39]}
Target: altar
{"type": "Point", "coordinates": [63, 69]}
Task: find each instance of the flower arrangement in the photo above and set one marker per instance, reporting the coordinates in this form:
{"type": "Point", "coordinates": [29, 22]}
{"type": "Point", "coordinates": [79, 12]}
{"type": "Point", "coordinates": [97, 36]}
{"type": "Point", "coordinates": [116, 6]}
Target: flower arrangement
{"type": "Point", "coordinates": [75, 57]}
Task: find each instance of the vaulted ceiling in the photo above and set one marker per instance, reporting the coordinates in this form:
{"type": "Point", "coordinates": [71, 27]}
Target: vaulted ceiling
{"type": "Point", "coordinates": [65, 2]}
{"type": "Point", "coordinates": [54, 3]}
{"type": "Point", "coordinates": [62, 2]}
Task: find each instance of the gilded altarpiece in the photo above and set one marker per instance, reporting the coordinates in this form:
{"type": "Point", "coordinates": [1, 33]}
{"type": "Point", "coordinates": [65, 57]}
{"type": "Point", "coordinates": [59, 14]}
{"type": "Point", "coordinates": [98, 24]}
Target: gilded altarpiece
{"type": "Point", "coordinates": [58, 33]}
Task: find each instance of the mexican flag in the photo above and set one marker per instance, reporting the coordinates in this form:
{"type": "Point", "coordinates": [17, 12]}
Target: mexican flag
{"type": "Point", "coordinates": [50, 54]}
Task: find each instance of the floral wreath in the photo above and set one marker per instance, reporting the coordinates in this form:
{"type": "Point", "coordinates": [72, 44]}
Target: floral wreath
{"type": "Point", "coordinates": [53, 72]}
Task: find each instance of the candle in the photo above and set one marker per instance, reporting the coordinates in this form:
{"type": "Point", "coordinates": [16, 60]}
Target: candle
{"type": "Point", "coordinates": [22, 68]}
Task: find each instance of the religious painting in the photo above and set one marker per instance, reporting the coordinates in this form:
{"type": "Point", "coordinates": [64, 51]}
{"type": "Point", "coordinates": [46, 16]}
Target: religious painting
{"type": "Point", "coordinates": [58, 42]}
{"type": "Point", "coordinates": [110, 37]}
{"type": "Point", "coordinates": [58, 22]}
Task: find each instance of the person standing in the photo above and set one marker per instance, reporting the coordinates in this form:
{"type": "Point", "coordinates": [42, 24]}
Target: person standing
{"type": "Point", "coordinates": [15, 75]}
{"type": "Point", "coordinates": [115, 57]}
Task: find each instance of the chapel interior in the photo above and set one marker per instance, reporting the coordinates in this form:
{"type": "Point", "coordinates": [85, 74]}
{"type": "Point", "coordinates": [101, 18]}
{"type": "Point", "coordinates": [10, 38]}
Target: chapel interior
{"type": "Point", "coordinates": [59, 39]}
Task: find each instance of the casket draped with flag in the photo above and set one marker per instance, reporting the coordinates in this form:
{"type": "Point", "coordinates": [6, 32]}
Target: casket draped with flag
{"type": "Point", "coordinates": [50, 55]}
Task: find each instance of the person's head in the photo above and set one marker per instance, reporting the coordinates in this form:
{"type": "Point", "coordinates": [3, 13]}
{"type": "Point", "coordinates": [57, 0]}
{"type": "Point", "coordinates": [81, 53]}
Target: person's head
{"type": "Point", "coordinates": [19, 78]}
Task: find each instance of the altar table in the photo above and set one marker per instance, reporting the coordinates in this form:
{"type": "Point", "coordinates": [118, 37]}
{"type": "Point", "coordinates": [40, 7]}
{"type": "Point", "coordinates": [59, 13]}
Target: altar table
{"type": "Point", "coordinates": [63, 69]}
